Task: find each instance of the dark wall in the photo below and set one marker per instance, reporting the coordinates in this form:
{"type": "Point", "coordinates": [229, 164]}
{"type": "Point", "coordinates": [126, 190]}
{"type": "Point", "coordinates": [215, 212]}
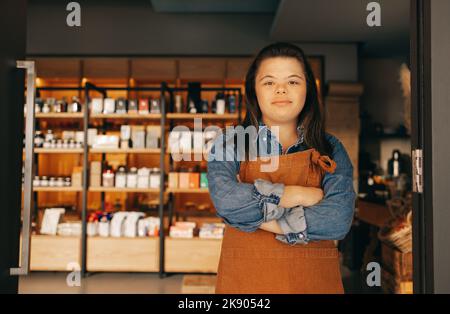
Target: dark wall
{"type": "Point", "coordinates": [133, 28]}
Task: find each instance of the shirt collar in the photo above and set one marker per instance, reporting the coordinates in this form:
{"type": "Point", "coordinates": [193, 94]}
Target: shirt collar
{"type": "Point", "coordinates": [264, 130]}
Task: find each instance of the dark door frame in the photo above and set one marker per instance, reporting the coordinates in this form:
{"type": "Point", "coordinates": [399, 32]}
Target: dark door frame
{"type": "Point", "coordinates": [420, 53]}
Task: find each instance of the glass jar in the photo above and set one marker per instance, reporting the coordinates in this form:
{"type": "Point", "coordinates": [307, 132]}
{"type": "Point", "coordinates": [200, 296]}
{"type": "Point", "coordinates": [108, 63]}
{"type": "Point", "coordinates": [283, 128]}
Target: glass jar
{"type": "Point", "coordinates": [121, 177]}
{"type": "Point", "coordinates": [38, 139]}
{"type": "Point", "coordinates": [49, 136]}
{"type": "Point", "coordinates": [68, 181]}
{"type": "Point", "coordinates": [60, 182]}
{"type": "Point", "coordinates": [44, 181]}
{"type": "Point", "coordinates": [155, 178]}
{"type": "Point", "coordinates": [75, 105]}
{"type": "Point", "coordinates": [108, 177]}
{"type": "Point", "coordinates": [36, 181]}
{"type": "Point", "coordinates": [52, 182]}
{"type": "Point", "coordinates": [132, 178]}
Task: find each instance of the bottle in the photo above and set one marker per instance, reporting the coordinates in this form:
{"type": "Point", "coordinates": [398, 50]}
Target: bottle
{"type": "Point", "coordinates": [38, 139]}
{"type": "Point", "coordinates": [108, 177]}
{"type": "Point", "coordinates": [49, 136]}
{"type": "Point", "coordinates": [155, 108]}
{"type": "Point", "coordinates": [178, 104]}
{"type": "Point", "coordinates": [220, 103]}
{"type": "Point", "coordinates": [191, 107]}
{"type": "Point", "coordinates": [395, 165]}
{"type": "Point", "coordinates": [231, 103]}
{"type": "Point", "coordinates": [205, 106]}
{"type": "Point", "coordinates": [75, 105]}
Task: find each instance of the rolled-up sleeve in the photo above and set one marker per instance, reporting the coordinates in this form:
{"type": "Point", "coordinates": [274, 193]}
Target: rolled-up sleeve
{"type": "Point", "coordinates": [331, 218]}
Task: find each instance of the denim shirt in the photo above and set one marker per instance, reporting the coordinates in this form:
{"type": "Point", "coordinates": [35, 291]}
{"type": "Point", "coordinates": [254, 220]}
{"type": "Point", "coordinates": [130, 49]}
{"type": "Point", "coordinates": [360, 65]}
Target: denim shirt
{"type": "Point", "coordinates": [246, 206]}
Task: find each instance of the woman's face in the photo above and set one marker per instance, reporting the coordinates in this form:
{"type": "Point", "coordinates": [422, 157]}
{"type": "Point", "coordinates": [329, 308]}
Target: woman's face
{"type": "Point", "coordinates": [280, 86]}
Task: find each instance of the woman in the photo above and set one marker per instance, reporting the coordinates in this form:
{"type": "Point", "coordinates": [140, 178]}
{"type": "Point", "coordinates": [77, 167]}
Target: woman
{"type": "Point", "coordinates": [281, 221]}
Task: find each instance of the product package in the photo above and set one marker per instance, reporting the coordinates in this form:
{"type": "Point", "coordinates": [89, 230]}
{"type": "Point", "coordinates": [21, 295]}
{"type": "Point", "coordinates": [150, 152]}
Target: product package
{"type": "Point", "coordinates": [143, 106]}
{"type": "Point", "coordinates": [131, 224]}
{"type": "Point", "coordinates": [121, 106]}
{"type": "Point", "coordinates": [132, 106]}
{"type": "Point", "coordinates": [173, 180]}
{"type": "Point", "coordinates": [183, 180]}
{"type": "Point", "coordinates": [138, 136]}
{"type": "Point", "coordinates": [52, 217]}
{"type": "Point", "coordinates": [109, 105]}
{"type": "Point", "coordinates": [203, 180]}
{"type": "Point", "coordinates": [117, 224]}
{"type": "Point", "coordinates": [143, 179]}
{"type": "Point", "coordinates": [106, 141]}
{"type": "Point", "coordinates": [96, 105]}
{"type": "Point", "coordinates": [194, 180]}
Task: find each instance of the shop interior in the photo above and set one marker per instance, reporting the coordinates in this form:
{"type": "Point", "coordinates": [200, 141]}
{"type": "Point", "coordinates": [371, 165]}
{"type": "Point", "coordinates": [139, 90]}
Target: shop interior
{"type": "Point", "coordinates": [113, 200]}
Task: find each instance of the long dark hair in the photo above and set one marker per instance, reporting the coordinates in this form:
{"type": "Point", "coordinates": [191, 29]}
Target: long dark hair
{"type": "Point", "coordinates": [311, 118]}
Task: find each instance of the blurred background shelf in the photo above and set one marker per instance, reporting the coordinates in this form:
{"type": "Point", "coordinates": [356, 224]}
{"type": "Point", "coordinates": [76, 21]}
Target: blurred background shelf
{"type": "Point", "coordinates": [130, 190]}
{"type": "Point", "coordinates": [210, 116]}
{"type": "Point", "coordinates": [150, 116]}
{"type": "Point", "coordinates": [125, 151]}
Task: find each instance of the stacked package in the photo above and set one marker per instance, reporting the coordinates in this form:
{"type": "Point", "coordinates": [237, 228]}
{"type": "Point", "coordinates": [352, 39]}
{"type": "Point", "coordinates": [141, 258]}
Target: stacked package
{"type": "Point", "coordinates": [182, 229]}
{"type": "Point", "coordinates": [212, 230]}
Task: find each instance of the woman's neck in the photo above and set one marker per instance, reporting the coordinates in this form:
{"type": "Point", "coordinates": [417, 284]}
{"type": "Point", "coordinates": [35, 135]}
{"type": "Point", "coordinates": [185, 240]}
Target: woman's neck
{"type": "Point", "coordinates": [287, 132]}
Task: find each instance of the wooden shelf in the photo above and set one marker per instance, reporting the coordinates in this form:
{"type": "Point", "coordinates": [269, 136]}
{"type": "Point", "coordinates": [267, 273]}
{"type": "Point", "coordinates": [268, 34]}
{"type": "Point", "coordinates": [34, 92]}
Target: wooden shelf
{"type": "Point", "coordinates": [179, 190]}
{"type": "Point", "coordinates": [123, 254]}
{"type": "Point", "coordinates": [57, 189]}
{"type": "Point", "coordinates": [62, 115]}
{"type": "Point", "coordinates": [54, 252]}
{"type": "Point", "coordinates": [211, 116]}
{"type": "Point", "coordinates": [150, 116]}
{"type": "Point", "coordinates": [125, 151]}
{"type": "Point", "coordinates": [119, 190]}
{"type": "Point", "coordinates": [58, 150]}
{"type": "Point", "coordinates": [192, 255]}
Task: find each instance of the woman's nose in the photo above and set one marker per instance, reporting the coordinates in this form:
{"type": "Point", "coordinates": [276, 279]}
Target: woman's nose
{"type": "Point", "coordinates": [280, 90]}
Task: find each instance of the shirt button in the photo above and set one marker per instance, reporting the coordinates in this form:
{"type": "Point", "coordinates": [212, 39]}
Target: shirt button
{"type": "Point", "coordinates": [301, 236]}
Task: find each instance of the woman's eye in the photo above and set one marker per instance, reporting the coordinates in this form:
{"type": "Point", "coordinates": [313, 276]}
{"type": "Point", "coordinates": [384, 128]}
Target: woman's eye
{"type": "Point", "coordinates": [293, 83]}
{"type": "Point", "coordinates": [268, 83]}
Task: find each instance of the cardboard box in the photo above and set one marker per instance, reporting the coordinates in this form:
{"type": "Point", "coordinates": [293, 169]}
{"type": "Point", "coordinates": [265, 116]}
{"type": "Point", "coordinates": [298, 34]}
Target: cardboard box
{"type": "Point", "coordinates": [203, 180]}
{"type": "Point", "coordinates": [77, 176]}
{"type": "Point", "coordinates": [173, 180]}
{"type": "Point", "coordinates": [194, 180]}
{"type": "Point", "coordinates": [183, 180]}
{"type": "Point", "coordinates": [96, 167]}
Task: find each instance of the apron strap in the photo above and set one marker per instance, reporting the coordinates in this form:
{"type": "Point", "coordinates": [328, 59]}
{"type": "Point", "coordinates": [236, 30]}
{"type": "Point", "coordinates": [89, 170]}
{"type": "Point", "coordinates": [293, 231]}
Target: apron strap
{"type": "Point", "coordinates": [325, 162]}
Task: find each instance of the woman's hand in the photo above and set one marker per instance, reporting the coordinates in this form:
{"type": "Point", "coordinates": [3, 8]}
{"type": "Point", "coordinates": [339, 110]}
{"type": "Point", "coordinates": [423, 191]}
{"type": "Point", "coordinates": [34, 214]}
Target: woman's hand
{"type": "Point", "coordinates": [295, 195]}
{"type": "Point", "coordinates": [271, 226]}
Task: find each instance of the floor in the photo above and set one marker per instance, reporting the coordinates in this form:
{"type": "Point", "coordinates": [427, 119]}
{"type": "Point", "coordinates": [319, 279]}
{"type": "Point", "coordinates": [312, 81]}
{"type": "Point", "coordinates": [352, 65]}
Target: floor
{"type": "Point", "coordinates": [136, 283]}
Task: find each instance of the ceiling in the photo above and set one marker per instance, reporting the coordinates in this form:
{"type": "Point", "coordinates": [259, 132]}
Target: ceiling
{"type": "Point", "coordinates": [323, 21]}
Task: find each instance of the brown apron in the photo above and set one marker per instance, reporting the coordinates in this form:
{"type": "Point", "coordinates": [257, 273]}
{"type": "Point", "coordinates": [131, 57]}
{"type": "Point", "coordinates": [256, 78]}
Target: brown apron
{"type": "Point", "coordinates": [257, 263]}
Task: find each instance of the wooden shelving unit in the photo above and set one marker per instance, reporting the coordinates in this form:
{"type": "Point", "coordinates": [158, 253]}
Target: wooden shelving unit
{"type": "Point", "coordinates": [150, 116]}
{"type": "Point", "coordinates": [179, 190]}
{"type": "Point", "coordinates": [126, 78]}
{"type": "Point", "coordinates": [124, 151]}
{"type": "Point", "coordinates": [62, 115]}
{"type": "Point", "coordinates": [210, 116]}
{"type": "Point", "coordinates": [59, 150]}
{"type": "Point", "coordinates": [121, 190]}
{"type": "Point", "coordinates": [58, 189]}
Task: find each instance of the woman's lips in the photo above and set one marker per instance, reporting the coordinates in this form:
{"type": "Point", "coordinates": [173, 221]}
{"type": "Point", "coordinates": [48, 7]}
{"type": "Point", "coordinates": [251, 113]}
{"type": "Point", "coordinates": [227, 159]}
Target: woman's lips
{"type": "Point", "coordinates": [281, 102]}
